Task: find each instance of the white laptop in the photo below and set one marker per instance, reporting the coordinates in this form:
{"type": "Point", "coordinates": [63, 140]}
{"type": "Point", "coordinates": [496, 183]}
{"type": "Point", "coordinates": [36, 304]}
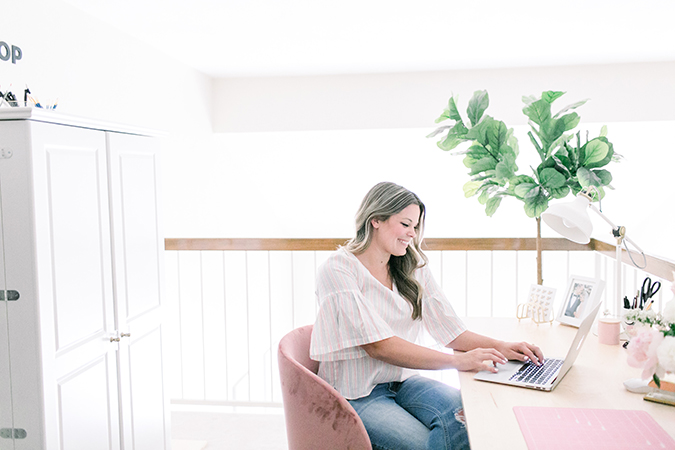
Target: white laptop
{"type": "Point", "coordinates": [547, 376]}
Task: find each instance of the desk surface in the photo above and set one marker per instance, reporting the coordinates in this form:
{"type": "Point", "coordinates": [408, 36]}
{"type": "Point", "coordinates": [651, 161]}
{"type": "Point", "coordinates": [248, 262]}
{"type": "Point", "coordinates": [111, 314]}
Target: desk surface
{"type": "Point", "coordinates": [595, 381]}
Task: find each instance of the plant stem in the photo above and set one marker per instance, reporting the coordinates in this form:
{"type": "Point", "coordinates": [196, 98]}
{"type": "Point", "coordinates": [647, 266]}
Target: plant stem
{"type": "Point", "coordinates": [540, 280]}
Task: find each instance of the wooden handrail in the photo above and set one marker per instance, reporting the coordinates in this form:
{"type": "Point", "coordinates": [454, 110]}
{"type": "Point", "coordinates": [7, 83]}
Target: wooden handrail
{"type": "Point", "coordinates": [659, 267]}
{"type": "Point", "coordinates": [254, 244]}
{"type": "Point", "coordinates": [656, 266]}
{"type": "Point", "coordinates": [458, 244]}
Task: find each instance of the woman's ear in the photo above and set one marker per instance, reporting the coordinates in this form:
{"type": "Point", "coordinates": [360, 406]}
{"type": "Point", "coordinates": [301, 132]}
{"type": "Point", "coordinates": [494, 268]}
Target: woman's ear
{"type": "Point", "coordinates": [375, 223]}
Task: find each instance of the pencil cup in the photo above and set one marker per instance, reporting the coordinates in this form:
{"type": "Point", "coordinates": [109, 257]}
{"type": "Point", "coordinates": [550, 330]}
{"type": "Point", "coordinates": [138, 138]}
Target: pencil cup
{"type": "Point", "coordinates": [608, 330]}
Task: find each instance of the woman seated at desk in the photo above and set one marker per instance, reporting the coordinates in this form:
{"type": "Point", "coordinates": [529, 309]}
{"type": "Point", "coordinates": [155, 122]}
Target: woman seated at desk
{"type": "Point", "coordinates": [375, 295]}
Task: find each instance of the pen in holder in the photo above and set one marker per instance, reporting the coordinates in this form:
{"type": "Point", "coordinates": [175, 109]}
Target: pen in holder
{"type": "Point", "coordinates": [539, 305]}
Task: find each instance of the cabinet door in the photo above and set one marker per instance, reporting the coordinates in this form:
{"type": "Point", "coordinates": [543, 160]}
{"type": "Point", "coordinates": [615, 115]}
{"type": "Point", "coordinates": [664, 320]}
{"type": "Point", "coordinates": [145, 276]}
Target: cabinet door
{"type": "Point", "coordinates": [138, 267]}
{"type": "Point", "coordinates": [6, 414]}
{"type": "Point", "coordinates": [18, 274]}
{"type": "Point", "coordinates": [74, 289]}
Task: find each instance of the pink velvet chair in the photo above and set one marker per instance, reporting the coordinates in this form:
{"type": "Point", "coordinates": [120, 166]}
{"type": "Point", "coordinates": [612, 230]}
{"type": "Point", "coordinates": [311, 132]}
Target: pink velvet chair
{"type": "Point", "coordinates": [317, 416]}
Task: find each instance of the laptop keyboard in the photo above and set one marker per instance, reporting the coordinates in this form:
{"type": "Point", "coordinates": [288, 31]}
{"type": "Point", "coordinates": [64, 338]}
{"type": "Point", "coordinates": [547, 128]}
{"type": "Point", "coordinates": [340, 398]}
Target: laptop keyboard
{"type": "Point", "coordinates": [533, 374]}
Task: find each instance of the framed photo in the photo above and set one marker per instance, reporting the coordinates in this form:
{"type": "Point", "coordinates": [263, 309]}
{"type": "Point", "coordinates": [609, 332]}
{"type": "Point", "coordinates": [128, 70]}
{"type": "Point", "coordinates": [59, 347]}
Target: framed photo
{"type": "Point", "coordinates": [581, 296]}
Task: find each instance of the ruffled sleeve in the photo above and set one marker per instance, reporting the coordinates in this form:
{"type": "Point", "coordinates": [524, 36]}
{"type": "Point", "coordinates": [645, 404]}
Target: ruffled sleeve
{"type": "Point", "coordinates": [438, 316]}
{"type": "Point", "coordinates": [346, 319]}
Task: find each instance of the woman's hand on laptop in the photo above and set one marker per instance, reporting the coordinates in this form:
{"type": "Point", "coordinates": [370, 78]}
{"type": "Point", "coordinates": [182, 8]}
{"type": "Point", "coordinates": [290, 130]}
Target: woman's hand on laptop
{"type": "Point", "coordinates": [478, 359]}
{"type": "Point", "coordinates": [521, 351]}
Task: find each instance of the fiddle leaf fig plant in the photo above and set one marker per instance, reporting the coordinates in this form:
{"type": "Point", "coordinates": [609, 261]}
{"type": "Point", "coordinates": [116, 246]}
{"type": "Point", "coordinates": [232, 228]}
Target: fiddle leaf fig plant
{"type": "Point", "coordinates": [567, 164]}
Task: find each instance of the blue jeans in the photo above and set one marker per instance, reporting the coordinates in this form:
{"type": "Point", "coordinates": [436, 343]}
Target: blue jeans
{"type": "Point", "coordinates": [415, 414]}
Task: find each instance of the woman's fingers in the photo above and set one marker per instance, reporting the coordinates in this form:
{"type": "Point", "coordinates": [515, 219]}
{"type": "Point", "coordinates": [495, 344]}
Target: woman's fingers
{"type": "Point", "coordinates": [527, 352]}
{"type": "Point", "coordinates": [491, 355]}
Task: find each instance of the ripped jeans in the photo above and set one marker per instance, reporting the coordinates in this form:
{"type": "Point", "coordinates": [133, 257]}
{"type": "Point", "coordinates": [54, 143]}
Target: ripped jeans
{"type": "Point", "coordinates": [415, 414]}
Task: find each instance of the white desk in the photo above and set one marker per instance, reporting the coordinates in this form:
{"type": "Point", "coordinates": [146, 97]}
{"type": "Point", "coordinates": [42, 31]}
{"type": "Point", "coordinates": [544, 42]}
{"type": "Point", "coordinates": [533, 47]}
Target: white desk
{"type": "Point", "coordinates": [595, 381]}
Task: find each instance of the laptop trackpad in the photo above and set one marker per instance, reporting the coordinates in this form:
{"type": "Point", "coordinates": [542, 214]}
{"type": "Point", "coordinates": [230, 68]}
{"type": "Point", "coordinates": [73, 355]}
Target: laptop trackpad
{"type": "Point", "coordinates": [505, 372]}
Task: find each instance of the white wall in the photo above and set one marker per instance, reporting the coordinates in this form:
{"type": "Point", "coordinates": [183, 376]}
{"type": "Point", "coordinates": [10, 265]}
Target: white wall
{"type": "Point", "coordinates": [307, 149]}
{"type": "Point", "coordinates": [97, 72]}
{"type": "Point", "coordinates": [619, 92]}
{"type": "Point", "coordinates": [309, 184]}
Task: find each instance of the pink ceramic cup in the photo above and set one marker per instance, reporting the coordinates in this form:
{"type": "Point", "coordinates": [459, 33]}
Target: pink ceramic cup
{"type": "Point", "coordinates": [608, 330]}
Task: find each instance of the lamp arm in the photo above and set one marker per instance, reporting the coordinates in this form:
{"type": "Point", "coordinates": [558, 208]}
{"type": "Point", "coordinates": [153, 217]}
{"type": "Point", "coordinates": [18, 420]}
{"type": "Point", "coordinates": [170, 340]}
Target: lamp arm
{"type": "Point", "coordinates": [620, 234]}
{"type": "Point", "coordinates": [606, 219]}
{"type": "Point", "coordinates": [616, 228]}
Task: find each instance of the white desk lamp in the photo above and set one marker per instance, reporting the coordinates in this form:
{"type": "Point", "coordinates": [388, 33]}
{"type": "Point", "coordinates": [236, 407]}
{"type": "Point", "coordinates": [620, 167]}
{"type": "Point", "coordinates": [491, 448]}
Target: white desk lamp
{"type": "Point", "coordinates": [571, 220]}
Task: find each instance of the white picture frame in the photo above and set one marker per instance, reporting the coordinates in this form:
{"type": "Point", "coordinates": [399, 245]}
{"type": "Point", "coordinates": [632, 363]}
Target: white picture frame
{"type": "Point", "coordinates": [581, 296]}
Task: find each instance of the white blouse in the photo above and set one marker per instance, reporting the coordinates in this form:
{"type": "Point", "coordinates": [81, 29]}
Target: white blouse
{"type": "Point", "coordinates": [356, 309]}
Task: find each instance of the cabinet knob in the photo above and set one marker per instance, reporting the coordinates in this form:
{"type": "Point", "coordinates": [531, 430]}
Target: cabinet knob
{"type": "Point", "coordinates": [10, 296]}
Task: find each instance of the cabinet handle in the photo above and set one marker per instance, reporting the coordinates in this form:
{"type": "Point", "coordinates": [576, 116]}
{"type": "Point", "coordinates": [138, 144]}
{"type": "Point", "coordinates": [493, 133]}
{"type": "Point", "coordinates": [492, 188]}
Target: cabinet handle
{"type": "Point", "coordinates": [125, 335]}
{"type": "Point", "coordinates": [114, 339]}
{"type": "Point", "coordinates": [11, 295]}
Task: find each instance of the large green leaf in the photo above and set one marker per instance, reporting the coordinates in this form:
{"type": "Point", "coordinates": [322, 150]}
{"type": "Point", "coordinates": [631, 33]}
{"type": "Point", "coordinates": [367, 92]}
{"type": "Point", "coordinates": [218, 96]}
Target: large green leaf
{"type": "Point", "coordinates": [551, 96]}
{"type": "Point", "coordinates": [559, 192]}
{"type": "Point", "coordinates": [518, 180]}
{"type": "Point", "coordinates": [529, 99]}
{"type": "Point", "coordinates": [558, 145]}
{"type": "Point", "coordinates": [479, 132]}
{"type": "Point", "coordinates": [483, 164]}
{"type": "Point", "coordinates": [513, 143]}
{"type": "Point", "coordinates": [497, 134]}
{"type": "Point", "coordinates": [549, 132]}
{"type": "Point", "coordinates": [471, 187]}
{"type": "Point", "coordinates": [456, 135]}
{"type": "Point", "coordinates": [506, 168]}
{"type": "Point", "coordinates": [453, 111]}
{"type": "Point", "coordinates": [570, 120]}
{"type": "Point", "coordinates": [565, 161]}
{"type": "Point", "coordinates": [485, 190]}
{"type": "Point", "coordinates": [558, 162]}
{"type": "Point", "coordinates": [535, 205]}
{"type": "Point", "coordinates": [604, 175]}
{"type": "Point", "coordinates": [573, 157]}
{"type": "Point", "coordinates": [588, 178]}
{"type": "Point", "coordinates": [538, 112]}
{"type": "Point", "coordinates": [535, 192]}
{"type": "Point", "coordinates": [607, 159]}
{"type": "Point", "coordinates": [575, 186]}
{"type": "Point", "coordinates": [449, 143]}
{"type": "Point", "coordinates": [569, 107]}
{"type": "Point", "coordinates": [445, 115]}
{"type": "Point", "coordinates": [450, 113]}
{"type": "Point", "coordinates": [523, 190]}
{"type": "Point", "coordinates": [536, 144]}
{"type": "Point", "coordinates": [551, 178]}
{"type": "Point", "coordinates": [595, 151]}
{"type": "Point", "coordinates": [475, 153]}
{"type": "Point", "coordinates": [439, 130]}
{"type": "Point", "coordinates": [507, 152]}
{"type": "Point", "coordinates": [477, 106]}
{"type": "Point", "coordinates": [492, 205]}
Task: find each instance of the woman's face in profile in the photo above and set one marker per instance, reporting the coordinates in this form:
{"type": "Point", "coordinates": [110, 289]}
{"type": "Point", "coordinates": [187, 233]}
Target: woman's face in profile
{"type": "Point", "coordinates": [397, 232]}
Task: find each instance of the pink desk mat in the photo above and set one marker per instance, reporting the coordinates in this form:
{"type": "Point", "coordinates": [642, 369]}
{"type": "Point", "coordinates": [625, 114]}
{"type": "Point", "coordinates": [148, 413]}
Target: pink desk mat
{"type": "Point", "coordinates": [580, 429]}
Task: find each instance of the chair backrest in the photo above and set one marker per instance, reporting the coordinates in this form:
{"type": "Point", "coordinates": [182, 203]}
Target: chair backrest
{"type": "Point", "coordinates": [317, 416]}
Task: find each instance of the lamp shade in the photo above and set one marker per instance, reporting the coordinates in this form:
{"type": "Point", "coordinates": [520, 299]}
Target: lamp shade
{"type": "Point", "coordinates": [570, 219]}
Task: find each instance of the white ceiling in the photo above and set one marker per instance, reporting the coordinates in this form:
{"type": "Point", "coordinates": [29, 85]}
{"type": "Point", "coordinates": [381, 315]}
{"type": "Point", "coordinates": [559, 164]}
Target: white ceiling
{"type": "Point", "coordinates": [235, 38]}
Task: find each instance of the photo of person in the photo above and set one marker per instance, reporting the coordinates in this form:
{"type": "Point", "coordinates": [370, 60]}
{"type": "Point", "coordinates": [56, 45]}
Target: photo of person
{"type": "Point", "coordinates": [575, 304]}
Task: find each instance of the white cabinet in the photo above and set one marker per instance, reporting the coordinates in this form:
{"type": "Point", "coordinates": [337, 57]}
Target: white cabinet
{"type": "Point", "coordinates": [81, 355]}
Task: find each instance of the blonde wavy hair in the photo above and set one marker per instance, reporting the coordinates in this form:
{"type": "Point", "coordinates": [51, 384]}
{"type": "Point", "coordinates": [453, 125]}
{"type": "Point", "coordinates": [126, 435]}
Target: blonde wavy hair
{"type": "Point", "coordinates": [380, 203]}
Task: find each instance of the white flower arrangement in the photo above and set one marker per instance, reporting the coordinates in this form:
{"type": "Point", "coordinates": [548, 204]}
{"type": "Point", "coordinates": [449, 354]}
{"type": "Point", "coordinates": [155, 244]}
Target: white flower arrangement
{"type": "Point", "coordinates": [652, 344]}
